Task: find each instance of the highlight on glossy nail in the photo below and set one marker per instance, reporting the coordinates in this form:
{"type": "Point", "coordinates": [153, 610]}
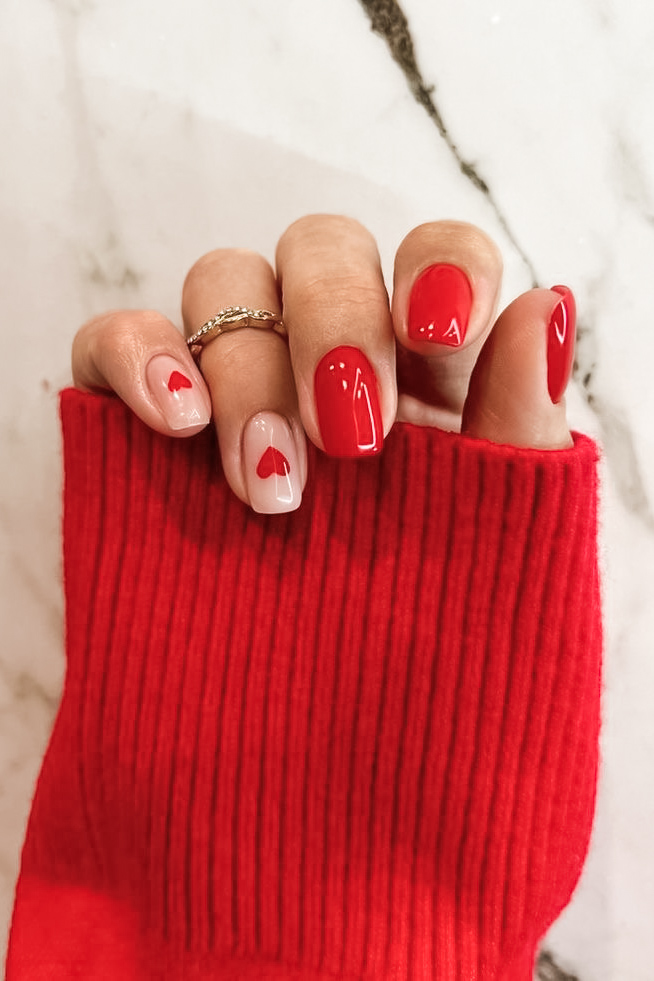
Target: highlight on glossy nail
{"type": "Point", "coordinates": [440, 306]}
{"type": "Point", "coordinates": [347, 401]}
{"type": "Point", "coordinates": [561, 343]}
{"type": "Point", "coordinates": [174, 393]}
{"type": "Point", "coordinates": [271, 465]}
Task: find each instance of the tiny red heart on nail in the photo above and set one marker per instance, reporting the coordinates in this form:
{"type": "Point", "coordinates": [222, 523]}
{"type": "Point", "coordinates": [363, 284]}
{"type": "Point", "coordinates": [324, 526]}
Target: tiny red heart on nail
{"type": "Point", "coordinates": [177, 380]}
{"type": "Point", "coordinates": [272, 462]}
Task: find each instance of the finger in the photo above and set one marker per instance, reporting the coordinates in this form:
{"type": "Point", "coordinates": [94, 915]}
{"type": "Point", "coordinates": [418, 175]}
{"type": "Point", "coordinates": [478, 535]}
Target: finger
{"type": "Point", "coordinates": [516, 390]}
{"type": "Point", "coordinates": [340, 334]}
{"type": "Point", "coordinates": [446, 286]}
{"type": "Point", "coordinates": [143, 358]}
{"type": "Point", "coordinates": [248, 372]}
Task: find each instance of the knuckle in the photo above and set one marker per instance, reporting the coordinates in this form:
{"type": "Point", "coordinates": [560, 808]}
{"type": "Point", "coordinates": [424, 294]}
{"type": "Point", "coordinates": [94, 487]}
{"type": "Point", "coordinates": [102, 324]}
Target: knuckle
{"type": "Point", "coordinates": [351, 288]}
{"type": "Point", "coordinates": [315, 236]}
{"type": "Point", "coordinates": [205, 268]}
{"type": "Point", "coordinates": [343, 294]}
{"type": "Point", "coordinates": [120, 337]}
{"type": "Point", "coordinates": [462, 241]}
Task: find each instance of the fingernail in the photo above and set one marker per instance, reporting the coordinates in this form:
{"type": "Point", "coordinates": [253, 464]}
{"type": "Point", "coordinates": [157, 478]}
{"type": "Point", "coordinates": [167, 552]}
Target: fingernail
{"type": "Point", "coordinates": [440, 305]}
{"type": "Point", "coordinates": [270, 464]}
{"type": "Point", "coordinates": [347, 400]}
{"type": "Point", "coordinates": [177, 396]}
{"type": "Point", "coordinates": [561, 343]}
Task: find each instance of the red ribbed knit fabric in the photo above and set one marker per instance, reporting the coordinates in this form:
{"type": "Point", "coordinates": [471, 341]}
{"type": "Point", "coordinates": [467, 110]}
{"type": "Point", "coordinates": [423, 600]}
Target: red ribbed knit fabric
{"type": "Point", "coordinates": [356, 741]}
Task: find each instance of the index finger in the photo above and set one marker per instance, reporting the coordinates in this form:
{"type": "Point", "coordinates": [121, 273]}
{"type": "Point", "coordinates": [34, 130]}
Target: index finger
{"type": "Point", "coordinates": [143, 358]}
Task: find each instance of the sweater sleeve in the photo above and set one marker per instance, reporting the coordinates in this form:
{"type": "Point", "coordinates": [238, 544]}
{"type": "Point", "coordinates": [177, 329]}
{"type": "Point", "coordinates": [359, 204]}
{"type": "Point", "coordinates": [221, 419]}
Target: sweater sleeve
{"type": "Point", "coordinates": [355, 741]}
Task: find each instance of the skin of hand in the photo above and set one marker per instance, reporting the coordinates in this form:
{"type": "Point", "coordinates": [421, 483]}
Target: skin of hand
{"type": "Point", "coordinates": [352, 364]}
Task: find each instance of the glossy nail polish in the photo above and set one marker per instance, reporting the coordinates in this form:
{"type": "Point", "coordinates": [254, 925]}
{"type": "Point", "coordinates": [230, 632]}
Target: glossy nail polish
{"type": "Point", "coordinates": [561, 343]}
{"type": "Point", "coordinates": [271, 465]}
{"type": "Point", "coordinates": [440, 305]}
{"type": "Point", "coordinates": [347, 400]}
{"type": "Point", "coordinates": [175, 394]}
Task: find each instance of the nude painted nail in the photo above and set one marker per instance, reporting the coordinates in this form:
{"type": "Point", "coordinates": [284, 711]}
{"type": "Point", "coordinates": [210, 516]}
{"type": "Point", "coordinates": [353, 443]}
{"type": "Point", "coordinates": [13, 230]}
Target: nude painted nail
{"type": "Point", "coordinates": [175, 394]}
{"type": "Point", "coordinates": [561, 343]}
{"type": "Point", "coordinates": [440, 305]}
{"type": "Point", "coordinates": [271, 465]}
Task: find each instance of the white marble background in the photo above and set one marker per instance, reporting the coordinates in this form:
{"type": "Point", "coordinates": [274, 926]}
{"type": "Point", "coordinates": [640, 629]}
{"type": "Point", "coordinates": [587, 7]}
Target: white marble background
{"type": "Point", "coordinates": [138, 134]}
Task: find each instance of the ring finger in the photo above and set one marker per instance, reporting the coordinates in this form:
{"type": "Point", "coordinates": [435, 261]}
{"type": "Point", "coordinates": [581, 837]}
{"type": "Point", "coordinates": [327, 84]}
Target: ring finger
{"type": "Point", "coordinates": [249, 376]}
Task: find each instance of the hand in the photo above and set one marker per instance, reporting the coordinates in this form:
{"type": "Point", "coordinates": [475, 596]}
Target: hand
{"type": "Point", "coordinates": [353, 363]}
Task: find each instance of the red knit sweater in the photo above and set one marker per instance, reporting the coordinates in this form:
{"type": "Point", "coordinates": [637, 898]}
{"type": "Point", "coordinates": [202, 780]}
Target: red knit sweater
{"type": "Point", "coordinates": [355, 741]}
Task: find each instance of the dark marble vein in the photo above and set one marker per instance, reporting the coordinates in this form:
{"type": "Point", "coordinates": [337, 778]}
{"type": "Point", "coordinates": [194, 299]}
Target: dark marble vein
{"type": "Point", "coordinates": [389, 21]}
{"type": "Point", "coordinates": [623, 459]}
{"type": "Point", "coordinates": [547, 970]}
{"type": "Point", "coordinates": [25, 687]}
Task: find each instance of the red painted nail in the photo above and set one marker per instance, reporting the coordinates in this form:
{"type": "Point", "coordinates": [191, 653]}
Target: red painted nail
{"type": "Point", "coordinates": [348, 403]}
{"type": "Point", "coordinates": [561, 343]}
{"type": "Point", "coordinates": [440, 305]}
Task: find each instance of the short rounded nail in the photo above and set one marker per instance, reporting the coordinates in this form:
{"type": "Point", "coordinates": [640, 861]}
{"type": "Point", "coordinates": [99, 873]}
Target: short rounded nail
{"type": "Point", "coordinates": [271, 466]}
{"type": "Point", "coordinates": [440, 305]}
{"type": "Point", "coordinates": [347, 400]}
{"type": "Point", "coordinates": [561, 343]}
{"type": "Point", "coordinates": [175, 394]}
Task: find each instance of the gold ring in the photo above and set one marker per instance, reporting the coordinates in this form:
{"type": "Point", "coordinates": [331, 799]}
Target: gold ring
{"type": "Point", "coordinates": [233, 318]}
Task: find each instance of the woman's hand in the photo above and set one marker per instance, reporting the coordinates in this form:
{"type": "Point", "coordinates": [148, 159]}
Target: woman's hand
{"type": "Point", "coordinates": [353, 363]}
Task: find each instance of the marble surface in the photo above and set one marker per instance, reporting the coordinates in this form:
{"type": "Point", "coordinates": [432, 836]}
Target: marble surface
{"type": "Point", "coordinates": [137, 135]}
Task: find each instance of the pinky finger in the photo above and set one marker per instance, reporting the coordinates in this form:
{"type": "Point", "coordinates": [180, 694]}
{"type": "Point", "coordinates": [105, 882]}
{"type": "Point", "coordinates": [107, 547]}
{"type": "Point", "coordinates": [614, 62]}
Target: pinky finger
{"type": "Point", "coordinates": [143, 358]}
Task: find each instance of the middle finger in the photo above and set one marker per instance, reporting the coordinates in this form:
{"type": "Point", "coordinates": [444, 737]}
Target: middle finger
{"type": "Point", "coordinates": [340, 333]}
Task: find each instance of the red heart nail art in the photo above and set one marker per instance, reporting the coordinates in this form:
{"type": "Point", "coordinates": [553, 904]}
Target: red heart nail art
{"type": "Point", "coordinates": [272, 462]}
{"type": "Point", "coordinates": [177, 380]}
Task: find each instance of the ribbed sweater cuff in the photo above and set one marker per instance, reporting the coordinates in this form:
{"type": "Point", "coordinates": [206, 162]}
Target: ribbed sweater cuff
{"type": "Point", "coordinates": [358, 740]}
